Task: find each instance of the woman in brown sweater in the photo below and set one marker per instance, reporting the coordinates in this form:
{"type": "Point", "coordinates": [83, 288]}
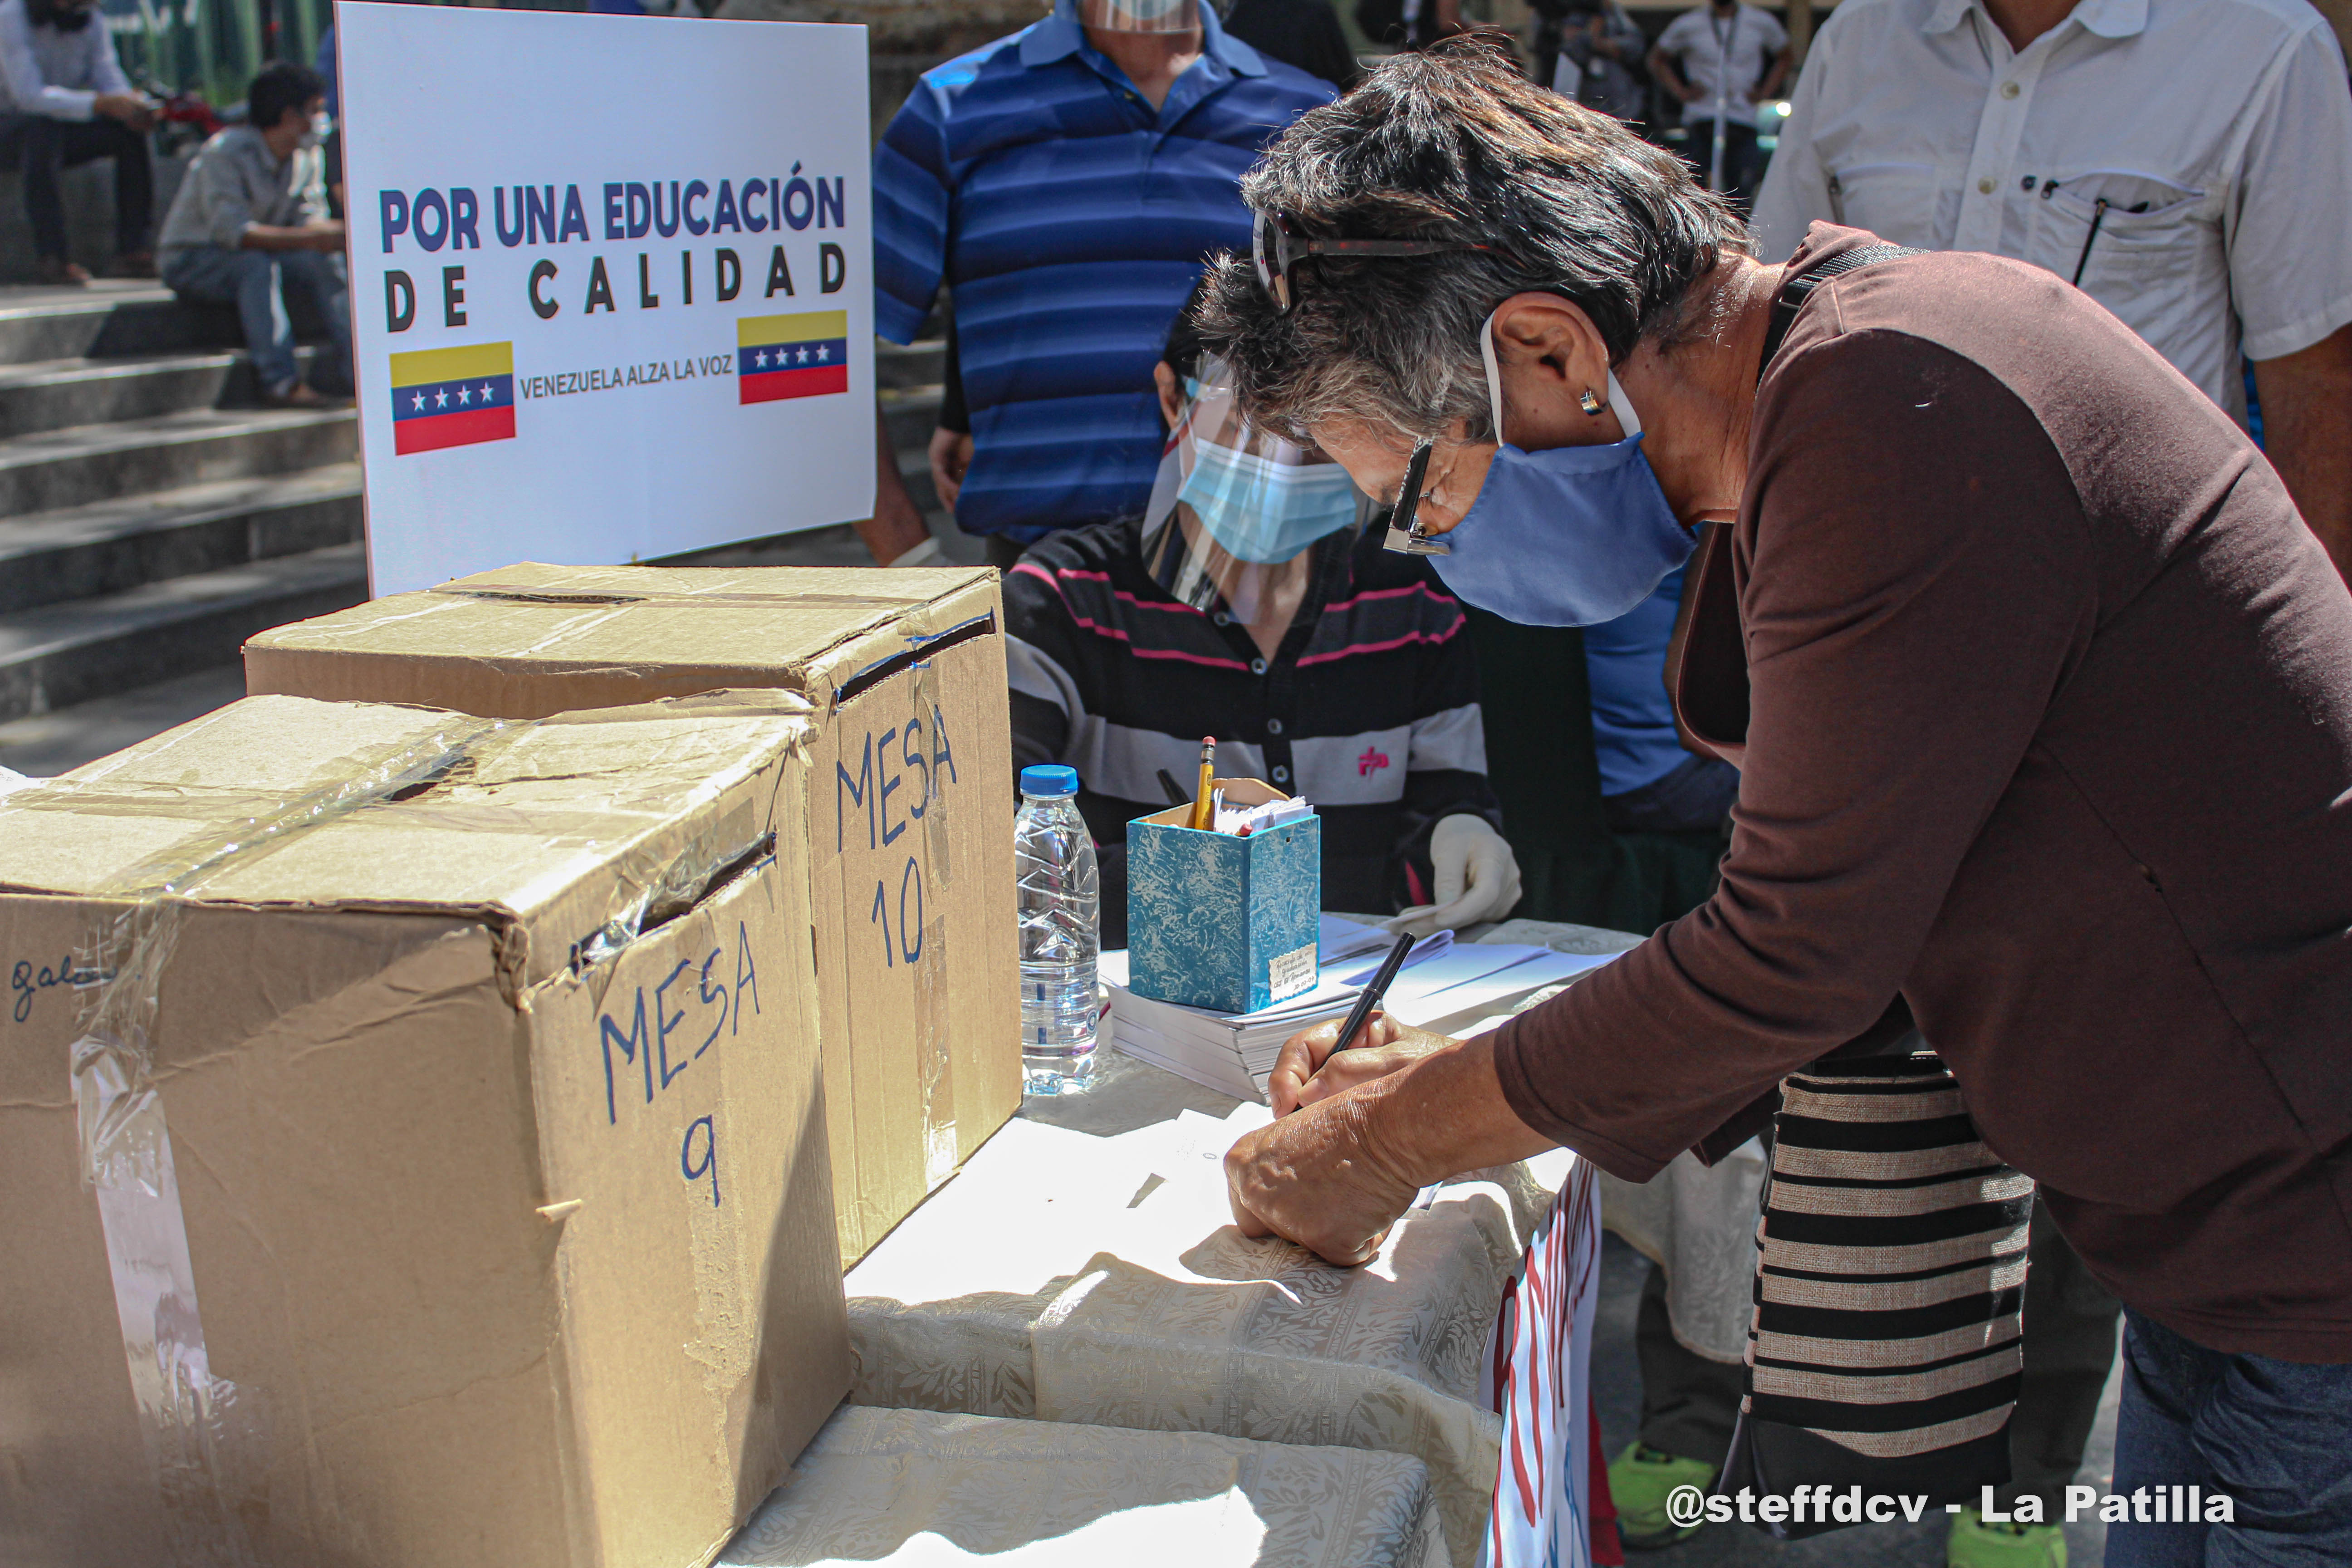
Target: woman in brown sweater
{"type": "Point", "coordinates": [2040, 690]}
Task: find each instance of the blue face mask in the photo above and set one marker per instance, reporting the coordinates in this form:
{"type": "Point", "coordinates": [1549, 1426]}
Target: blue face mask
{"type": "Point", "coordinates": [1573, 536]}
{"type": "Point", "coordinates": [1265, 511]}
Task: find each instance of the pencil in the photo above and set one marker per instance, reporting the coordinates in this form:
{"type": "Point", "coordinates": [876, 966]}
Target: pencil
{"type": "Point", "coordinates": [1382, 979]}
{"type": "Point", "coordinates": [1204, 810]}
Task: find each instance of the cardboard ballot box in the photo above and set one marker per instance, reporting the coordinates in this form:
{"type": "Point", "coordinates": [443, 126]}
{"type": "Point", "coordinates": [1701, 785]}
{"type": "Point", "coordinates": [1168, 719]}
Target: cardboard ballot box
{"type": "Point", "coordinates": [909, 838]}
{"type": "Point", "coordinates": [413, 1142]}
{"type": "Point", "coordinates": [1216, 920]}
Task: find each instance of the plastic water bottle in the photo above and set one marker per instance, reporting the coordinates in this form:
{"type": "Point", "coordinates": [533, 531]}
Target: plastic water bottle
{"type": "Point", "coordinates": [1054, 858]}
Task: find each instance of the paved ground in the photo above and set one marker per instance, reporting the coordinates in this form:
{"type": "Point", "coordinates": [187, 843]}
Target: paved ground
{"type": "Point", "coordinates": [1617, 1389]}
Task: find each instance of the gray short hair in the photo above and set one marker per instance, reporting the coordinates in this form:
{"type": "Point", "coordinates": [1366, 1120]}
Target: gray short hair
{"type": "Point", "coordinates": [1452, 145]}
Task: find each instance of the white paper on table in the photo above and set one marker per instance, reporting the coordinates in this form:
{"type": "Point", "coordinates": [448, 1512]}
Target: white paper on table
{"type": "Point", "coordinates": [1420, 1003]}
{"type": "Point", "coordinates": [1440, 982]}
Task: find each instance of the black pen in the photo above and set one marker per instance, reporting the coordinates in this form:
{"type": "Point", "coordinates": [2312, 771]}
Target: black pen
{"type": "Point", "coordinates": [1176, 796]}
{"type": "Point", "coordinates": [1362, 1011]}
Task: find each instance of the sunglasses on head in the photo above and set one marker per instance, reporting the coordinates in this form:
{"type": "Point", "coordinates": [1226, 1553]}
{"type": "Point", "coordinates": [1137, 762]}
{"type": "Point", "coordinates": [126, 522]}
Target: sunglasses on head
{"type": "Point", "coordinates": [1278, 247]}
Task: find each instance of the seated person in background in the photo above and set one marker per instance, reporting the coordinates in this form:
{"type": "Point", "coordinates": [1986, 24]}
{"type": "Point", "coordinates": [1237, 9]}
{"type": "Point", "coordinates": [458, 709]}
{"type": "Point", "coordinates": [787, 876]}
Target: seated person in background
{"type": "Point", "coordinates": [64, 100]}
{"type": "Point", "coordinates": [250, 222]}
{"type": "Point", "coordinates": [1252, 603]}
{"type": "Point", "coordinates": [1649, 782]}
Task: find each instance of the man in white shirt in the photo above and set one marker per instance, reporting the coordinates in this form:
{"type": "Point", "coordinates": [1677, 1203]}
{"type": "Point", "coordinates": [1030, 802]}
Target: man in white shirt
{"type": "Point", "coordinates": [65, 100]}
{"type": "Point", "coordinates": [1713, 59]}
{"type": "Point", "coordinates": [2187, 162]}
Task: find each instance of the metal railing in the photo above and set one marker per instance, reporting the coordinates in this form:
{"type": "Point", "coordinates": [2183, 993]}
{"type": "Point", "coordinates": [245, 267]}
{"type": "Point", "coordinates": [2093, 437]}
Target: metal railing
{"type": "Point", "coordinates": [213, 47]}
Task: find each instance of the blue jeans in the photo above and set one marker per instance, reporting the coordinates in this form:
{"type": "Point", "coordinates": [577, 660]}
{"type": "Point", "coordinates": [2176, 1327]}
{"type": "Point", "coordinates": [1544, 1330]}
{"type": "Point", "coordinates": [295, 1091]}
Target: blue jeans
{"type": "Point", "coordinates": [2275, 1437]}
{"type": "Point", "coordinates": [256, 281]}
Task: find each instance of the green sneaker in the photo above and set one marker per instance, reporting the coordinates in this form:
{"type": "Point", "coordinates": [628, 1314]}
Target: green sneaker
{"type": "Point", "coordinates": [1976, 1544]}
{"type": "Point", "coordinates": [1639, 1484]}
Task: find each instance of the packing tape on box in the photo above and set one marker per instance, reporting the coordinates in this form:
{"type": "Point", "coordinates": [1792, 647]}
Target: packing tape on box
{"type": "Point", "coordinates": [933, 1018]}
{"type": "Point", "coordinates": [207, 1436]}
{"type": "Point", "coordinates": [596, 608]}
{"type": "Point", "coordinates": [524, 594]}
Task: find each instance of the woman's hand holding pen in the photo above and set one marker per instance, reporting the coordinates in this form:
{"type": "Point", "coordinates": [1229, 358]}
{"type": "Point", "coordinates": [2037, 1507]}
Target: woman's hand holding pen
{"type": "Point", "coordinates": [1336, 1173]}
{"type": "Point", "coordinates": [1308, 1070]}
{"type": "Point", "coordinates": [1318, 1179]}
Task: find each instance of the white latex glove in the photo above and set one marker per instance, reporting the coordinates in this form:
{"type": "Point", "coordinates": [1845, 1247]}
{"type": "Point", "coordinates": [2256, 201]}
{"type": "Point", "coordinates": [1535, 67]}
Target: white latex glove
{"type": "Point", "coordinates": [1478, 877]}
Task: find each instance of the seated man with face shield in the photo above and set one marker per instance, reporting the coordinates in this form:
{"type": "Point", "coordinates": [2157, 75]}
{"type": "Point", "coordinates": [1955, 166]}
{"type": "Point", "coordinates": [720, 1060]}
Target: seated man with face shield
{"type": "Point", "coordinates": [1252, 603]}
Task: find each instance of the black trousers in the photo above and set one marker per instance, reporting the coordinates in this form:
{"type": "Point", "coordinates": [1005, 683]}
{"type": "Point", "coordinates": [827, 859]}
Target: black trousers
{"type": "Point", "coordinates": [1689, 1403]}
{"type": "Point", "coordinates": [1742, 172]}
{"type": "Point", "coordinates": [43, 147]}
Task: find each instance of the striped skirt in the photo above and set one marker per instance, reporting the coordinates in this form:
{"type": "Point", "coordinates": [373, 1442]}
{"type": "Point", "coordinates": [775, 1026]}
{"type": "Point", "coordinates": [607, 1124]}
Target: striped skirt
{"type": "Point", "coordinates": [1884, 1351]}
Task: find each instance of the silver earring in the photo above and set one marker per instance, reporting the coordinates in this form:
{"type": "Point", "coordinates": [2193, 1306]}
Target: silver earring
{"type": "Point", "coordinates": [1589, 402]}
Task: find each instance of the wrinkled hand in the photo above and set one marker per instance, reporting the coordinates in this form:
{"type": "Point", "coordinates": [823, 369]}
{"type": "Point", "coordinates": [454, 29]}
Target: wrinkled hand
{"type": "Point", "coordinates": [1478, 877]}
{"type": "Point", "coordinates": [1308, 1071]}
{"type": "Point", "coordinates": [951, 455]}
{"type": "Point", "coordinates": [1318, 1179]}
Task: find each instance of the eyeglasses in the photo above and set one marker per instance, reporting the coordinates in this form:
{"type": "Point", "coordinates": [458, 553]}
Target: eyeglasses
{"type": "Point", "coordinates": [1405, 536]}
{"type": "Point", "coordinates": [1278, 249]}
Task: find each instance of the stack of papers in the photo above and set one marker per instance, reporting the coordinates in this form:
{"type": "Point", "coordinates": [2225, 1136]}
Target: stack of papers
{"type": "Point", "coordinates": [1233, 1053]}
{"type": "Point", "coordinates": [1244, 820]}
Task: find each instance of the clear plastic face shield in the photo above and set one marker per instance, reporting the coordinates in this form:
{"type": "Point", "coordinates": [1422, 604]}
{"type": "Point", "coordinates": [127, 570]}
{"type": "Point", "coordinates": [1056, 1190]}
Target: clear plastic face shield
{"type": "Point", "coordinates": [1236, 512]}
{"type": "Point", "coordinates": [1140, 15]}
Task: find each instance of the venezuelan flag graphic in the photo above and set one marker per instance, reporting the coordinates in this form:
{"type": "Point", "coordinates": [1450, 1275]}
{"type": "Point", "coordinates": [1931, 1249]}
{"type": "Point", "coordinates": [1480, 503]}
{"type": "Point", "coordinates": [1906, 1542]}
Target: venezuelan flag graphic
{"type": "Point", "coordinates": [452, 397]}
{"type": "Point", "coordinates": [805, 355]}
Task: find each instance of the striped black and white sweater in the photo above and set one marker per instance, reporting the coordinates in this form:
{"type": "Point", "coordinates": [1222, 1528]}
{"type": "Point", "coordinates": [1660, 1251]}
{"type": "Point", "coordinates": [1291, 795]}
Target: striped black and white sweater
{"type": "Point", "coordinates": [1369, 709]}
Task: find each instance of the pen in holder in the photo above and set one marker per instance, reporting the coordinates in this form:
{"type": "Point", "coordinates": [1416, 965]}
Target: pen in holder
{"type": "Point", "coordinates": [1218, 920]}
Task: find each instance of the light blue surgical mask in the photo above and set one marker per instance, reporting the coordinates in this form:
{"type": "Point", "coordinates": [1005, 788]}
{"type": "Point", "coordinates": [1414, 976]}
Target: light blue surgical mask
{"type": "Point", "coordinates": [1571, 536]}
{"type": "Point", "coordinates": [1262, 510]}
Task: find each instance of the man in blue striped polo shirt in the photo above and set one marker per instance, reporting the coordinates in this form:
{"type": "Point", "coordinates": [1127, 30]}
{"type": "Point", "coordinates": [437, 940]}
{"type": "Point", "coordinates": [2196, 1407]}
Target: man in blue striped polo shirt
{"type": "Point", "coordinates": [1066, 182]}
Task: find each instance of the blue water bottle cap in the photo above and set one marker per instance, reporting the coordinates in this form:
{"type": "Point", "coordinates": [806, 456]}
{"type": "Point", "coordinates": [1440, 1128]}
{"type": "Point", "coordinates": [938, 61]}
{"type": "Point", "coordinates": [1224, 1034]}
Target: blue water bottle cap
{"type": "Point", "coordinates": [1049, 780]}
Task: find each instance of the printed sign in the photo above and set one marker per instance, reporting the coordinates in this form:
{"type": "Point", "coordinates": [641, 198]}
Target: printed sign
{"type": "Point", "coordinates": [588, 336]}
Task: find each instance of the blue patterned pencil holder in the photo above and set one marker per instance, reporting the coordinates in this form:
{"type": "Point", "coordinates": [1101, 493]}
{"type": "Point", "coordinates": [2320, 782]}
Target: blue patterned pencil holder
{"type": "Point", "coordinates": [1218, 922]}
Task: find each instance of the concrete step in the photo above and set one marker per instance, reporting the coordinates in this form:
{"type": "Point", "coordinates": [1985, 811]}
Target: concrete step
{"type": "Point", "coordinates": [106, 547]}
{"type": "Point", "coordinates": [57, 655]}
{"type": "Point", "coordinates": [923, 363]}
{"type": "Point", "coordinates": [115, 317]}
{"type": "Point", "coordinates": [909, 415]}
{"type": "Point", "coordinates": [47, 744]}
{"type": "Point", "coordinates": [55, 468]}
{"type": "Point", "coordinates": [57, 395]}
{"type": "Point", "coordinates": [110, 316]}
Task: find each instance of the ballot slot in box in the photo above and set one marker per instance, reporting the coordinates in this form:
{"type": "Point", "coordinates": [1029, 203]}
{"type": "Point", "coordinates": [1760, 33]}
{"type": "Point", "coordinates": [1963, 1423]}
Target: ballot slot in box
{"type": "Point", "coordinates": [909, 851]}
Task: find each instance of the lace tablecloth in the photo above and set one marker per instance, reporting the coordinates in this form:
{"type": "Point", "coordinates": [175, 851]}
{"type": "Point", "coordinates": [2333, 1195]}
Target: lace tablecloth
{"type": "Point", "coordinates": [915, 1487]}
{"type": "Point", "coordinates": [1100, 1280]}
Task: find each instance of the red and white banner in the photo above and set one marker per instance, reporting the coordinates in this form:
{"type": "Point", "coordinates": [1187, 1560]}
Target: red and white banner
{"type": "Point", "coordinates": [1536, 1379]}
